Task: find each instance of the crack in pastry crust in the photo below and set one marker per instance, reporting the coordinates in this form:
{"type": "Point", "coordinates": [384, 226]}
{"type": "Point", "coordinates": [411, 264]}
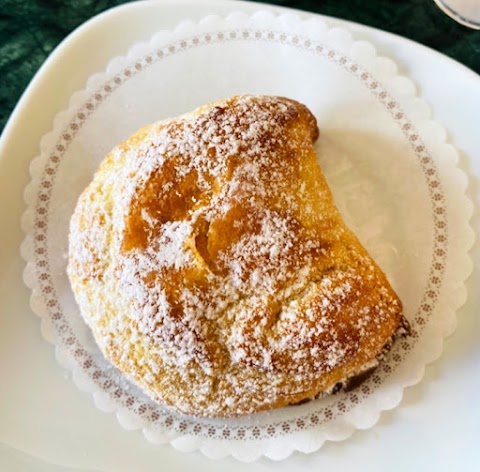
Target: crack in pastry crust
{"type": "Point", "coordinates": [214, 269]}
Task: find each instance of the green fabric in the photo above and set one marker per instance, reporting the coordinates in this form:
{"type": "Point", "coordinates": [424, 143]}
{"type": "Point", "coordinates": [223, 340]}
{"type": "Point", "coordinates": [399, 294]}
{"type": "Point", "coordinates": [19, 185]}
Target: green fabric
{"type": "Point", "coordinates": [30, 30]}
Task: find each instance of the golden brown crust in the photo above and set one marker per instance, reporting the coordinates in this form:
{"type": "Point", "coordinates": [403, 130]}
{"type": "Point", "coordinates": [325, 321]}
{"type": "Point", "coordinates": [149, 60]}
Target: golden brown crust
{"type": "Point", "coordinates": [214, 269]}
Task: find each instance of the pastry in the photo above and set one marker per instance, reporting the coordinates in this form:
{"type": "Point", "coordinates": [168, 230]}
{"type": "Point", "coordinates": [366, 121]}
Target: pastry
{"type": "Point", "coordinates": [214, 270]}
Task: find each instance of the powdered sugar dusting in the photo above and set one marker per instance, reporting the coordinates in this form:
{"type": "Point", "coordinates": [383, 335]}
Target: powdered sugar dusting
{"type": "Point", "coordinates": [209, 247]}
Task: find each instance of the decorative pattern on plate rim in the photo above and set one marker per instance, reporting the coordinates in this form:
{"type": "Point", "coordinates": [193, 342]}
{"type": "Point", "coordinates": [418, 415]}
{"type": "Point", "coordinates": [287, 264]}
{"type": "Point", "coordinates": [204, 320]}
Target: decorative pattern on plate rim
{"type": "Point", "coordinates": [183, 424]}
{"type": "Point", "coordinates": [155, 414]}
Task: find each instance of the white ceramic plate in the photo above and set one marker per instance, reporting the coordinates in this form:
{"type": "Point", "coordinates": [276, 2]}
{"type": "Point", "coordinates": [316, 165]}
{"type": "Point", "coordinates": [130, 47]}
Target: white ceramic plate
{"type": "Point", "coordinates": [66, 419]}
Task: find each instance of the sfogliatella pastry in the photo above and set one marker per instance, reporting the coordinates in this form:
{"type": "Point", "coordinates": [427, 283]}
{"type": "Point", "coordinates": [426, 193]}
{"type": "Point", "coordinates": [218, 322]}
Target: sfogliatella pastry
{"type": "Point", "coordinates": [210, 262]}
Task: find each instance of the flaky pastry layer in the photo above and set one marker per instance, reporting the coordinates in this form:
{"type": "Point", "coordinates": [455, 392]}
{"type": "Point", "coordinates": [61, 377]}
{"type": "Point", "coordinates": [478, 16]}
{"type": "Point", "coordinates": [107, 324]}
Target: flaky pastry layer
{"type": "Point", "coordinates": [210, 261]}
